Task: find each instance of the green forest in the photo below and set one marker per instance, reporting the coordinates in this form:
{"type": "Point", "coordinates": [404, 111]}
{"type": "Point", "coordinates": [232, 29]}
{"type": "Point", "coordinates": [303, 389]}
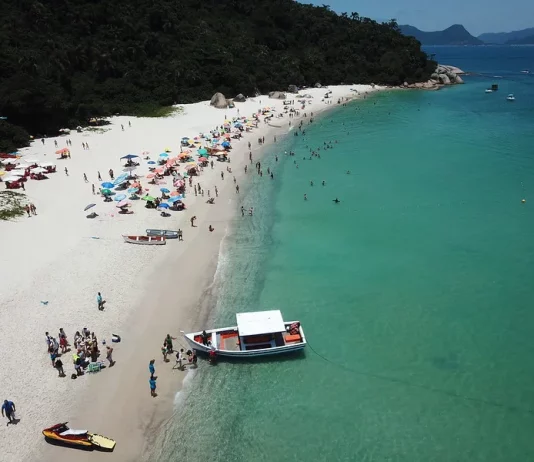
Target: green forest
{"type": "Point", "coordinates": [63, 62]}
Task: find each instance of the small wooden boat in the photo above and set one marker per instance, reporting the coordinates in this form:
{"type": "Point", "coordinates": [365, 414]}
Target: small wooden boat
{"type": "Point", "coordinates": [257, 334]}
{"type": "Point", "coordinates": [166, 233]}
{"type": "Point", "coordinates": [62, 434]}
{"type": "Point", "coordinates": [145, 240]}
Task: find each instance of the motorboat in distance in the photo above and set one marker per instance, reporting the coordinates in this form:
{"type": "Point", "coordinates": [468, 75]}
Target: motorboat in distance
{"type": "Point", "coordinates": [63, 435]}
{"type": "Point", "coordinates": [145, 240]}
{"type": "Point", "coordinates": [510, 97]}
{"type": "Point", "coordinates": [258, 333]}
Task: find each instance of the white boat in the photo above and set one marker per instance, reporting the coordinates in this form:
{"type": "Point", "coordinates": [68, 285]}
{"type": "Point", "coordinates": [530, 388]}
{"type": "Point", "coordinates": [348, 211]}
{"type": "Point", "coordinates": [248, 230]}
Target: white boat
{"type": "Point", "coordinates": [258, 333]}
{"type": "Point", "coordinates": [510, 97]}
{"type": "Point", "coordinates": [145, 240]}
{"type": "Point", "coordinates": [489, 90]}
{"type": "Point", "coordinates": [526, 71]}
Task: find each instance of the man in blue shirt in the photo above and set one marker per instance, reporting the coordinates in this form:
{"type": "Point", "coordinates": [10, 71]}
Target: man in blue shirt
{"type": "Point", "coordinates": [152, 383]}
{"type": "Point", "coordinates": [9, 408]}
{"type": "Point", "coordinates": [151, 368]}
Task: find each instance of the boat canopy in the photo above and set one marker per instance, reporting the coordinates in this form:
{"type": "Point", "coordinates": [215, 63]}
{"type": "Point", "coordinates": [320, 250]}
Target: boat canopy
{"type": "Point", "coordinates": [260, 322]}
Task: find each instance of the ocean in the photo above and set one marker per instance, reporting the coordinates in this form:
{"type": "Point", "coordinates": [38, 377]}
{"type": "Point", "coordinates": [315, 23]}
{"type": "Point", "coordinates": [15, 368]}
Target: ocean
{"type": "Point", "coordinates": [414, 291]}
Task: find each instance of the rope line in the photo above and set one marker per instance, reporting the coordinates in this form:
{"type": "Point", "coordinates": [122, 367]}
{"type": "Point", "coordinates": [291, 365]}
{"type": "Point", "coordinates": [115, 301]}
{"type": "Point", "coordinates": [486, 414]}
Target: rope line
{"type": "Point", "coordinates": [452, 394]}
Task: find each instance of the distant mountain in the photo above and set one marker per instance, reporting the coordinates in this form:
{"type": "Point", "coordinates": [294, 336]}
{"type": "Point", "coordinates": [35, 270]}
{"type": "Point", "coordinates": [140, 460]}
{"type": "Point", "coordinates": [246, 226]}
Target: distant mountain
{"type": "Point", "coordinates": [523, 41]}
{"type": "Point", "coordinates": [501, 38]}
{"type": "Point", "coordinates": [454, 35]}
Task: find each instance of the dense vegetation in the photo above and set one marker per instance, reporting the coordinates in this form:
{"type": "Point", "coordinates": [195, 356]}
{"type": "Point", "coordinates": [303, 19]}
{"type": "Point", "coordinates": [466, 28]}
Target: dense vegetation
{"type": "Point", "coordinates": [62, 62]}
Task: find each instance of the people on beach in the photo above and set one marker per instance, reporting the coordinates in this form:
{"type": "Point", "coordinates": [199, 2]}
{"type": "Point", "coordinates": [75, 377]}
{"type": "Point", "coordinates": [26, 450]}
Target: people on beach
{"type": "Point", "coordinates": [152, 383]}
{"type": "Point", "coordinates": [66, 171]}
{"type": "Point", "coordinates": [100, 301]}
{"type": "Point", "coordinates": [180, 235]}
{"type": "Point", "coordinates": [168, 343]}
{"type": "Point", "coordinates": [109, 355]}
{"type": "Point", "coordinates": [152, 368]}
{"type": "Point", "coordinates": [8, 409]}
{"type": "Point", "coordinates": [179, 360]}
{"type": "Point", "coordinates": [164, 352]}
{"type": "Point", "coordinates": [211, 228]}
{"type": "Point", "coordinates": [59, 366]}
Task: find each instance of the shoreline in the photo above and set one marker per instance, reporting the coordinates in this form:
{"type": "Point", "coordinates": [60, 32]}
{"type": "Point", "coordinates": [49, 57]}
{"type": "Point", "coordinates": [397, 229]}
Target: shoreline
{"type": "Point", "coordinates": [148, 290]}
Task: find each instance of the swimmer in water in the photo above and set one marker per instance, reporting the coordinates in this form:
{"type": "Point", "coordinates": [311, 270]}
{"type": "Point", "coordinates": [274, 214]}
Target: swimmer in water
{"type": "Point", "coordinates": [336, 200]}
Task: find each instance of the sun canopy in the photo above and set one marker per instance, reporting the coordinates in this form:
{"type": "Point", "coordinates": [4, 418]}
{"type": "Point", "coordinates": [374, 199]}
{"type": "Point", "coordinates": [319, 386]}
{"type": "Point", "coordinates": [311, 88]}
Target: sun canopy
{"type": "Point", "coordinates": [260, 322]}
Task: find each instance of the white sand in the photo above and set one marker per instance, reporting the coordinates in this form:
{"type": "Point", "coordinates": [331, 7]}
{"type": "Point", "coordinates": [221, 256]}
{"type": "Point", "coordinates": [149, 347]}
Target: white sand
{"type": "Point", "coordinates": [150, 290]}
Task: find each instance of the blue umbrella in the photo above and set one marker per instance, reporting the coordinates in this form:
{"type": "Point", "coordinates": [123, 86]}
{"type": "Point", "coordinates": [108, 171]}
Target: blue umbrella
{"type": "Point", "coordinates": [132, 190]}
{"type": "Point", "coordinates": [108, 185]}
{"type": "Point", "coordinates": [185, 138]}
{"type": "Point", "coordinates": [151, 162]}
{"type": "Point", "coordinates": [119, 197]}
{"type": "Point", "coordinates": [164, 190]}
{"type": "Point", "coordinates": [174, 199]}
{"type": "Point", "coordinates": [226, 144]}
{"type": "Point", "coordinates": [120, 179]}
{"type": "Point", "coordinates": [164, 154]}
{"type": "Point", "coordinates": [129, 156]}
{"type": "Point", "coordinates": [163, 206]}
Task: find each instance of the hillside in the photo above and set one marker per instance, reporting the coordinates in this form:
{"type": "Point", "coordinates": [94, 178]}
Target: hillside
{"type": "Point", "coordinates": [63, 62]}
{"type": "Point", "coordinates": [522, 41]}
{"type": "Point", "coordinates": [501, 38]}
{"type": "Point", "coordinates": [454, 35]}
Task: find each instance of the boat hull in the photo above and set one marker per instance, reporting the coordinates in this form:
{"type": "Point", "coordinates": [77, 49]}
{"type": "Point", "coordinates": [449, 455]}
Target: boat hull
{"type": "Point", "coordinates": [279, 350]}
{"type": "Point", "coordinates": [166, 233]}
{"type": "Point", "coordinates": [145, 240]}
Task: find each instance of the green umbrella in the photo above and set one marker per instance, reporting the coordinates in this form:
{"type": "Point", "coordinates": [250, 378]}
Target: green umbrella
{"type": "Point", "coordinates": [106, 192]}
{"type": "Point", "coordinates": [149, 198]}
{"type": "Point", "coordinates": [202, 151]}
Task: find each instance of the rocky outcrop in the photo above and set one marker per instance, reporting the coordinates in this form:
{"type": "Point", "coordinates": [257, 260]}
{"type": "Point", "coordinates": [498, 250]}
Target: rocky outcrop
{"type": "Point", "coordinates": [218, 100]}
{"type": "Point", "coordinates": [240, 98]}
{"type": "Point", "coordinates": [292, 89]}
{"type": "Point", "coordinates": [277, 95]}
{"type": "Point", "coordinates": [443, 75]}
{"type": "Point", "coordinates": [318, 85]}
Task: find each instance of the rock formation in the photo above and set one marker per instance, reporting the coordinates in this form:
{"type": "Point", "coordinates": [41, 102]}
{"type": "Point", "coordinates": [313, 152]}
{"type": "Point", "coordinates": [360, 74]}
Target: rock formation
{"type": "Point", "coordinates": [277, 95]}
{"type": "Point", "coordinates": [219, 101]}
{"type": "Point", "coordinates": [240, 98]}
{"type": "Point", "coordinates": [292, 89]}
{"type": "Point", "coordinates": [443, 75]}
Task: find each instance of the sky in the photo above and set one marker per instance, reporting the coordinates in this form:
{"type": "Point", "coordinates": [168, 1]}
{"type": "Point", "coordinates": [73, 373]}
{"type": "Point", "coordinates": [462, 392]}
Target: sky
{"type": "Point", "coordinates": [478, 16]}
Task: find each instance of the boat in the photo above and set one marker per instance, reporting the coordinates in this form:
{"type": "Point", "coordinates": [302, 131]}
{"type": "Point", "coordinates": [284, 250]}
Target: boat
{"type": "Point", "coordinates": [62, 434]}
{"type": "Point", "coordinates": [489, 90]}
{"type": "Point", "coordinates": [145, 240]}
{"type": "Point", "coordinates": [510, 97]}
{"type": "Point", "coordinates": [166, 233]}
{"type": "Point", "coordinates": [526, 71]}
{"type": "Point", "coordinates": [258, 333]}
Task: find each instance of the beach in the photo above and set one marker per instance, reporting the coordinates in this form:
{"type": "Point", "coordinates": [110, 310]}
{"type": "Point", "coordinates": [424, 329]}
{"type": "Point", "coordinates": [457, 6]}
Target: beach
{"type": "Point", "coordinates": [57, 261]}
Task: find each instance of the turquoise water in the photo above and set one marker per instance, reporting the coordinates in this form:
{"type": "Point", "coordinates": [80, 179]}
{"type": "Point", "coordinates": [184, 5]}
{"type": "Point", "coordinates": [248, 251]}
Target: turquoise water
{"type": "Point", "coordinates": [415, 291]}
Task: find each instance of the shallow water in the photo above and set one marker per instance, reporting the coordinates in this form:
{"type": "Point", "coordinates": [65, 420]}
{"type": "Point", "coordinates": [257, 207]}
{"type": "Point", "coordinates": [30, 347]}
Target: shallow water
{"type": "Point", "coordinates": [414, 291]}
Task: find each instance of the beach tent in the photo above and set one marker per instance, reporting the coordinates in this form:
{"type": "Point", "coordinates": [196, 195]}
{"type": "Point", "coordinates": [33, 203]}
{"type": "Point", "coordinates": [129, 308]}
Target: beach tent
{"type": "Point", "coordinates": [129, 156]}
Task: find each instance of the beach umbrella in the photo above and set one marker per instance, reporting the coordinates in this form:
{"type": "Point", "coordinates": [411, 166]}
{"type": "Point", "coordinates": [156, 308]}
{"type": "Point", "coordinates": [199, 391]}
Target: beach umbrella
{"type": "Point", "coordinates": [164, 190]}
{"type": "Point", "coordinates": [164, 154]}
{"type": "Point", "coordinates": [120, 179]}
{"type": "Point", "coordinates": [151, 162]}
{"type": "Point", "coordinates": [106, 192]}
{"type": "Point", "coordinates": [202, 159]}
{"type": "Point", "coordinates": [129, 156]}
{"type": "Point", "coordinates": [175, 193]}
{"type": "Point", "coordinates": [62, 151]}
{"type": "Point", "coordinates": [174, 199]}
{"type": "Point", "coordinates": [151, 175]}
{"type": "Point", "coordinates": [167, 149]}
{"type": "Point", "coordinates": [108, 185]}
{"type": "Point", "coordinates": [11, 178]}
{"type": "Point", "coordinates": [148, 198]}
{"type": "Point", "coordinates": [90, 206]}
{"type": "Point", "coordinates": [202, 151]}
{"type": "Point", "coordinates": [132, 190]}
{"type": "Point", "coordinates": [38, 170]}
{"type": "Point", "coordinates": [119, 197]}
{"type": "Point", "coordinates": [123, 203]}
{"type": "Point", "coordinates": [226, 144]}
{"type": "Point", "coordinates": [163, 206]}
